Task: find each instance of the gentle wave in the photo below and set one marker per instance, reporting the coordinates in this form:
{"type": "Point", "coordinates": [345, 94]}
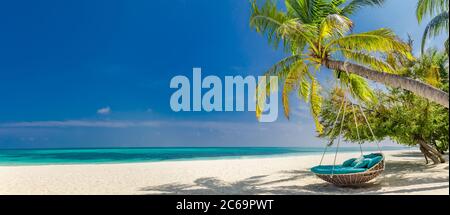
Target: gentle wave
{"type": "Point", "coordinates": [130, 155]}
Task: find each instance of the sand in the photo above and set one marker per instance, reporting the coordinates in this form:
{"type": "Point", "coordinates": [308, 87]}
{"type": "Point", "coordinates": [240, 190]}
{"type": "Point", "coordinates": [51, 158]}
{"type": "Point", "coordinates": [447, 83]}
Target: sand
{"type": "Point", "coordinates": [406, 173]}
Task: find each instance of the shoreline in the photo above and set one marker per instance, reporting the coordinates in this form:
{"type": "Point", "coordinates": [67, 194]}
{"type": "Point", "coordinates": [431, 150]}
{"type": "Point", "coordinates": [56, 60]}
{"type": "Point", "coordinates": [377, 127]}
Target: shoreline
{"type": "Point", "coordinates": [406, 173]}
{"type": "Point", "coordinates": [230, 158]}
{"type": "Point", "coordinates": [205, 158]}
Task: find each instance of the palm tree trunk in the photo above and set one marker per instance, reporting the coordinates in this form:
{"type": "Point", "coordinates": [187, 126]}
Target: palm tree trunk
{"type": "Point", "coordinates": [397, 81]}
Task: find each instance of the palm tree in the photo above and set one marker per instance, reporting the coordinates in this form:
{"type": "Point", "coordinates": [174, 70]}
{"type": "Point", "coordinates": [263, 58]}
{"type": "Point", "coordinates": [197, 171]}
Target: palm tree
{"type": "Point", "coordinates": [438, 10]}
{"type": "Point", "coordinates": [317, 33]}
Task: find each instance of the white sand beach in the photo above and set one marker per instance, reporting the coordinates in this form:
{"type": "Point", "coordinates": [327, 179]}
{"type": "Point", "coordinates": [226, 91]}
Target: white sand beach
{"type": "Point", "coordinates": [406, 173]}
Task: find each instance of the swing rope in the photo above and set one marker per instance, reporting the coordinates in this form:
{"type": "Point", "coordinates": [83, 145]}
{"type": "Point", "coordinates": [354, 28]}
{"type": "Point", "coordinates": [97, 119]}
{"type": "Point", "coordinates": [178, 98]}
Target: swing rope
{"type": "Point", "coordinates": [370, 129]}
{"type": "Point", "coordinates": [344, 106]}
{"type": "Point", "coordinates": [332, 132]}
{"type": "Point", "coordinates": [357, 130]}
{"type": "Point", "coordinates": [356, 123]}
{"type": "Point", "coordinates": [364, 115]}
{"type": "Point", "coordinates": [340, 136]}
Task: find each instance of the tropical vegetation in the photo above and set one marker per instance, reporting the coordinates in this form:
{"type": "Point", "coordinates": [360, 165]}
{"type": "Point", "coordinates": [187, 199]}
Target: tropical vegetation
{"type": "Point", "coordinates": [398, 115]}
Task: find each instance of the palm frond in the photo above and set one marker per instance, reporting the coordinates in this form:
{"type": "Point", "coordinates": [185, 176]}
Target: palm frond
{"type": "Point", "coordinates": [334, 24]}
{"type": "Point", "coordinates": [316, 104]}
{"type": "Point", "coordinates": [267, 20]}
{"type": "Point", "coordinates": [291, 83]}
{"type": "Point", "coordinates": [381, 40]}
{"type": "Point", "coordinates": [338, 3]}
{"type": "Point", "coordinates": [308, 11]}
{"type": "Point", "coordinates": [355, 5]}
{"type": "Point", "coordinates": [283, 67]}
{"type": "Point", "coordinates": [293, 32]}
{"type": "Point", "coordinates": [430, 8]}
{"type": "Point", "coordinates": [446, 45]}
{"type": "Point", "coordinates": [263, 91]}
{"type": "Point", "coordinates": [287, 89]}
{"type": "Point", "coordinates": [435, 27]}
{"type": "Point", "coordinates": [368, 60]}
{"type": "Point", "coordinates": [358, 86]}
{"type": "Point", "coordinates": [278, 27]}
{"type": "Point", "coordinates": [304, 88]}
{"type": "Point", "coordinates": [261, 96]}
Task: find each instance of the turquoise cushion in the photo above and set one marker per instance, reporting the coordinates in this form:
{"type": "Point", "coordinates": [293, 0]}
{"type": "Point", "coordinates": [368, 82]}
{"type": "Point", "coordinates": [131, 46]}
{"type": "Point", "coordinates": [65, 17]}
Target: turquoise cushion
{"type": "Point", "coordinates": [358, 160]}
{"type": "Point", "coordinates": [328, 170]}
{"type": "Point", "coordinates": [373, 155]}
{"type": "Point", "coordinates": [348, 163]}
{"type": "Point", "coordinates": [374, 161]}
{"type": "Point", "coordinates": [362, 163]}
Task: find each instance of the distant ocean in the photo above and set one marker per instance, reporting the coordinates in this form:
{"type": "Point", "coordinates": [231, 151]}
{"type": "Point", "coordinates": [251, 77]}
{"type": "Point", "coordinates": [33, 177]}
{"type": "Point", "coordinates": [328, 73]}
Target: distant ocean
{"type": "Point", "coordinates": [129, 155]}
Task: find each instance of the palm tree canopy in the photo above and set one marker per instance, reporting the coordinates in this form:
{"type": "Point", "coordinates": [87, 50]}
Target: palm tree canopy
{"type": "Point", "coordinates": [314, 31]}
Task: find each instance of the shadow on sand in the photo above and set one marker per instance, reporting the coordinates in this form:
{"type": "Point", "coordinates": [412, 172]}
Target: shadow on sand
{"type": "Point", "coordinates": [289, 183]}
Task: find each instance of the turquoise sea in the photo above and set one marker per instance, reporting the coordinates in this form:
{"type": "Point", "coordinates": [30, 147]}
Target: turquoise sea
{"type": "Point", "coordinates": [14, 157]}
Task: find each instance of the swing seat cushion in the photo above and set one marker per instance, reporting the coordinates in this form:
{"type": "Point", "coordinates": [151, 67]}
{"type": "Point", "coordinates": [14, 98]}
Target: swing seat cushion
{"type": "Point", "coordinates": [349, 162]}
{"type": "Point", "coordinates": [350, 166]}
{"type": "Point", "coordinates": [374, 161]}
{"type": "Point", "coordinates": [328, 170]}
{"type": "Point", "coordinates": [373, 155]}
{"type": "Point", "coordinates": [364, 163]}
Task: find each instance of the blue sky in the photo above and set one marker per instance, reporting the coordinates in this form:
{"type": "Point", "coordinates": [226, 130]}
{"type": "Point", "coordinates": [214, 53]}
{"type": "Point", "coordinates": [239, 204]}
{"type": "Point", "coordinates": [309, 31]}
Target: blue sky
{"type": "Point", "coordinates": [96, 73]}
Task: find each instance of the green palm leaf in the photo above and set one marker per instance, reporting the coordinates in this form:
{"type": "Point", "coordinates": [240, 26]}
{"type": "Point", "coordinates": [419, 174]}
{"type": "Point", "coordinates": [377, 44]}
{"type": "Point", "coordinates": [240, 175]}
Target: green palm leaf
{"type": "Point", "coordinates": [381, 40]}
{"type": "Point", "coordinates": [316, 104]}
{"type": "Point", "coordinates": [435, 27]}
{"type": "Point", "coordinates": [304, 88]}
{"type": "Point", "coordinates": [283, 67]}
{"type": "Point", "coordinates": [446, 45]}
{"type": "Point", "coordinates": [358, 86]}
{"type": "Point", "coordinates": [430, 7]}
{"type": "Point", "coordinates": [277, 26]}
{"type": "Point", "coordinates": [355, 5]}
{"type": "Point", "coordinates": [267, 20]}
{"type": "Point", "coordinates": [335, 25]}
{"type": "Point", "coordinates": [292, 82]}
{"type": "Point", "coordinates": [308, 11]}
{"type": "Point", "coordinates": [368, 60]}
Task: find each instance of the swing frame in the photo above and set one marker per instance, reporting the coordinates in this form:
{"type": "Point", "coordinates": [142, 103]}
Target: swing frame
{"type": "Point", "coordinates": [351, 179]}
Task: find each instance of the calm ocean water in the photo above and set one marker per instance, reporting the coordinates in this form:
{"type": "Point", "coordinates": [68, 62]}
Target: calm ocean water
{"type": "Point", "coordinates": [129, 155]}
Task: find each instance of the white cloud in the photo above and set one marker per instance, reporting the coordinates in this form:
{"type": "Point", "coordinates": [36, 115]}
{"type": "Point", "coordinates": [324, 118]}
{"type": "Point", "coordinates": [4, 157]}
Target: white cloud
{"type": "Point", "coordinates": [81, 123]}
{"type": "Point", "coordinates": [214, 125]}
{"type": "Point", "coordinates": [104, 111]}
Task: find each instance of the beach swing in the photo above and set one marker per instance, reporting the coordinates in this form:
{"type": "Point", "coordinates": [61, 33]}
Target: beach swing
{"type": "Point", "coordinates": [355, 171]}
